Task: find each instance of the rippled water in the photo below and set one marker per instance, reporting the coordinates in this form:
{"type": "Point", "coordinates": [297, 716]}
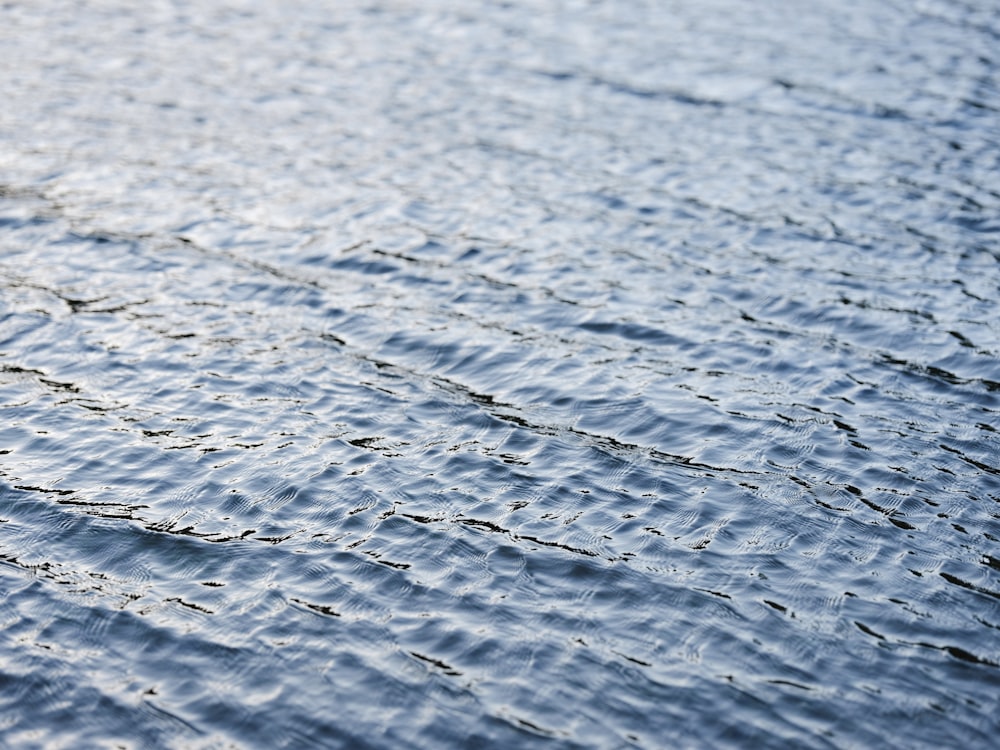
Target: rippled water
{"type": "Point", "coordinates": [571, 374]}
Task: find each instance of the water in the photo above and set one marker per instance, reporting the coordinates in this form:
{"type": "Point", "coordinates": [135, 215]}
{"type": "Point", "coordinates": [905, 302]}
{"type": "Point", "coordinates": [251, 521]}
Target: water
{"type": "Point", "coordinates": [571, 374]}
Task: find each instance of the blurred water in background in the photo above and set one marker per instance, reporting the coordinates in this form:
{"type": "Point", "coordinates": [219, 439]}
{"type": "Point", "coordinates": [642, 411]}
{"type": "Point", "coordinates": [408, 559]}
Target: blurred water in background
{"type": "Point", "coordinates": [507, 374]}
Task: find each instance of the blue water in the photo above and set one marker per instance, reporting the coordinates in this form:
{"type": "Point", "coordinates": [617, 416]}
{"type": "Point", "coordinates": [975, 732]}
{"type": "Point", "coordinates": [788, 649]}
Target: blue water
{"type": "Point", "coordinates": [506, 374]}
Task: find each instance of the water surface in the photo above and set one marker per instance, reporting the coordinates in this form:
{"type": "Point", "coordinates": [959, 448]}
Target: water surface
{"type": "Point", "coordinates": [563, 374]}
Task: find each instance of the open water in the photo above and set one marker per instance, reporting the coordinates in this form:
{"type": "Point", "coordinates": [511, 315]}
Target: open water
{"type": "Point", "coordinates": [552, 374]}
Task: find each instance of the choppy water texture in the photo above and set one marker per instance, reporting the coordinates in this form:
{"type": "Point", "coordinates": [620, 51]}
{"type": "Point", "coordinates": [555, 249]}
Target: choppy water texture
{"type": "Point", "coordinates": [562, 374]}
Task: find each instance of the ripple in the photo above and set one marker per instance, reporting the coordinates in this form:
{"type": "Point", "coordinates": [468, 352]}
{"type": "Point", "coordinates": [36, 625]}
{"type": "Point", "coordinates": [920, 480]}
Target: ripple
{"type": "Point", "coordinates": [431, 377]}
